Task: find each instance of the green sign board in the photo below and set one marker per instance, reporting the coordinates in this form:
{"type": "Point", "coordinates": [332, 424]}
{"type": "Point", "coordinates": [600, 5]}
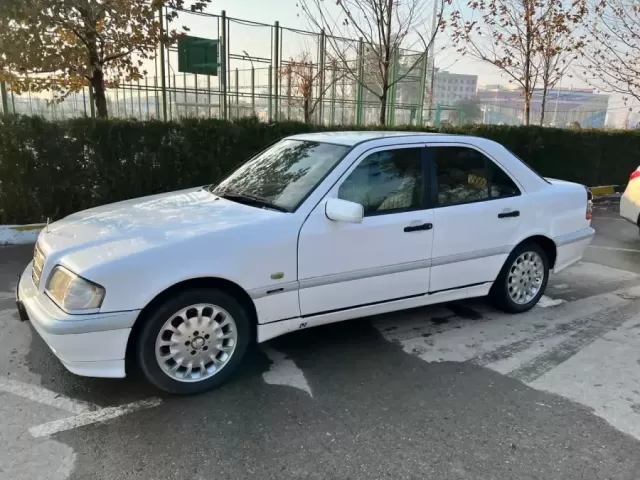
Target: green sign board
{"type": "Point", "coordinates": [198, 55]}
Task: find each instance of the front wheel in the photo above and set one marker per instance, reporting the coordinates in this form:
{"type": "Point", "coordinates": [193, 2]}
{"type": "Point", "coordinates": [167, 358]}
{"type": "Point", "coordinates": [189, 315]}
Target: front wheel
{"type": "Point", "coordinates": [194, 342]}
{"type": "Point", "coordinates": [522, 280]}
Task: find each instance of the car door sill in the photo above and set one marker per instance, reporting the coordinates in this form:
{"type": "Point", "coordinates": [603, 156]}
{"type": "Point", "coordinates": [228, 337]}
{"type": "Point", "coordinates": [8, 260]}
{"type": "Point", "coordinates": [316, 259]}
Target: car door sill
{"type": "Point", "coordinates": [267, 331]}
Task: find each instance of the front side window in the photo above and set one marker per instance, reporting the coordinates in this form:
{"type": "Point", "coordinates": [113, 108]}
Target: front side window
{"type": "Point", "coordinates": [465, 175]}
{"type": "Point", "coordinates": [282, 176]}
{"type": "Point", "coordinates": [386, 182]}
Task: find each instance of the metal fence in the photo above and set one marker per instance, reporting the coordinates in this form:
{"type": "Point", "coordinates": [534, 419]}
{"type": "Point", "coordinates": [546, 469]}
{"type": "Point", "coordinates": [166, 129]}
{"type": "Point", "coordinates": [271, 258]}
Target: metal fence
{"type": "Point", "coordinates": [259, 74]}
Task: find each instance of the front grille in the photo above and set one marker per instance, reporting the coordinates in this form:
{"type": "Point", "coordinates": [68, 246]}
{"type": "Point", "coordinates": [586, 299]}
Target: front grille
{"type": "Point", "coordinates": [38, 264]}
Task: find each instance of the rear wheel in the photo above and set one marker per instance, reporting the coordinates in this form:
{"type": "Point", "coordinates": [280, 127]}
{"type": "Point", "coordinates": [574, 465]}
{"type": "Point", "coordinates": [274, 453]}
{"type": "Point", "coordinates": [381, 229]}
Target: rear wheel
{"type": "Point", "coordinates": [194, 341]}
{"type": "Point", "coordinates": [522, 280]}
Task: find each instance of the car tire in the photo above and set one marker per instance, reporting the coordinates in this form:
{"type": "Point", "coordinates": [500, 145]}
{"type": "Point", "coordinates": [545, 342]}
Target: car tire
{"type": "Point", "coordinates": [522, 280]}
{"type": "Point", "coordinates": [194, 341]}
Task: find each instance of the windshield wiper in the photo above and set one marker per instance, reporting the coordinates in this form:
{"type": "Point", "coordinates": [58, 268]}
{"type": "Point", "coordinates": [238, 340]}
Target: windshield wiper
{"type": "Point", "coordinates": [251, 200]}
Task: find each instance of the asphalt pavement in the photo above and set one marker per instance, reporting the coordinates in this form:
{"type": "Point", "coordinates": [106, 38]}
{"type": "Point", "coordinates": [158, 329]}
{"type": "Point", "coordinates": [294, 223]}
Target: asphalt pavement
{"type": "Point", "coordinates": [457, 391]}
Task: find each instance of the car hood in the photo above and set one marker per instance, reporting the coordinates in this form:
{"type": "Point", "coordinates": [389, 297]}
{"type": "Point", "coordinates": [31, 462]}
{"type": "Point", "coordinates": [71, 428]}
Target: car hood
{"type": "Point", "coordinates": [146, 221]}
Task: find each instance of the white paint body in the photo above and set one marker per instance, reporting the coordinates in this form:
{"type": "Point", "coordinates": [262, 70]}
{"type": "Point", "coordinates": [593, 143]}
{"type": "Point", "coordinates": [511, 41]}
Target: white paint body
{"type": "Point", "coordinates": [330, 271]}
{"type": "Point", "coordinates": [630, 201]}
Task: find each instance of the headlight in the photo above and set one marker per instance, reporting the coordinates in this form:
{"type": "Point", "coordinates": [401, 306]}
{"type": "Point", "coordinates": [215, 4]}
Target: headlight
{"type": "Point", "coordinates": [72, 292]}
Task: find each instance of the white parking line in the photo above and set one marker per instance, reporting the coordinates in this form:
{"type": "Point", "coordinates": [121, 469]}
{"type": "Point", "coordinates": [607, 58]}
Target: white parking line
{"type": "Point", "coordinates": [89, 418]}
{"type": "Point", "coordinates": [44, 396]}
{"type": "Point", "coordinates": [615, 248]}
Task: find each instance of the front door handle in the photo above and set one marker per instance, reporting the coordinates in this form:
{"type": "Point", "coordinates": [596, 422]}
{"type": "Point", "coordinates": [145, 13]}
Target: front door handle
{"type": "Point", "coordinates": [415, 228]}
{"type": "Point", "coordinates": [513, 213]}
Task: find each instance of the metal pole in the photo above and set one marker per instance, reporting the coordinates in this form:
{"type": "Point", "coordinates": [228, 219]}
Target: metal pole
{"type": "Point", "coordinates": [237, 95]}
{"type": "Point", "coordinates": [359, 88]}
{"type": "Point", "coordinates": [269, 95]}
{"type": "Point", "coordinates": [289, 93]}
{"type": "Point", "coordinates": [139, 101]}
{"type": "Point", "coordinates": [124, 101]}
{"type": "Point", "coordinates": [332, 117]}
{"type": "Point", "coordinates": [276, 65]}
{"type": "Point", "coordinates": [163, 84]}
{"type": "Point", "coordinates": [175, 99]}
{"type": "Point", "coordinates": [146, 95]}
{"type": "Point", "coordinates": [253, 90]}
{"type": "Point", "coordinates": [423, 86]}
{"type": "Point", "coordinates": [323, 40]}
{"type": "Point", "coordinates": [92, 104]}
{"type": "Point", "coordinates": [131, 98]}
{"type": "Point", "coordinates": [31, 105]}
{"type": "Point", "coordinates": [209, 93]}
{"type": "Point", "coordinates": [5, 101]}
{"type": "Point", "coordinates": [184, 89]}
{"type": "Point", "coordinates": [223, 62]}
{"type": "Point", "coordinates": [195, 85]}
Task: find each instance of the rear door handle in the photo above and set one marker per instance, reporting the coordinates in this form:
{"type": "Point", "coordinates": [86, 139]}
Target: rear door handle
{"type": "Point", "coordinates": [513, 213]}
{"type": "Point", "coordinates": [415, 228]}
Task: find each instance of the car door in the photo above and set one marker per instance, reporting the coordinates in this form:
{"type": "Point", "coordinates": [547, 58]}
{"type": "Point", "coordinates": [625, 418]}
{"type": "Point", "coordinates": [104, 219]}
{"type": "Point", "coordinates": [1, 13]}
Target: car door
{"type": "Point", "coordinates": [386, 256]}
{"type": "Point", "coordinates": [479, 214]}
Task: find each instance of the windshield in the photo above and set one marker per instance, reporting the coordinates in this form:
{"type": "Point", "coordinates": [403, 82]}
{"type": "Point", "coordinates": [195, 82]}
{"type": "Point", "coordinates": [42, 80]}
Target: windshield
{"type": "Point", "coordinates": [283, 175]}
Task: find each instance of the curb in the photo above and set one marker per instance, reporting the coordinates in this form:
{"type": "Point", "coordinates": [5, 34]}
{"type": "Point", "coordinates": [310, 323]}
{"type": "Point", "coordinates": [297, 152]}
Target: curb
{"type": "Point", "coordinates": [607, 193]}
{"type": "Point", "coordinates": [20, 234]}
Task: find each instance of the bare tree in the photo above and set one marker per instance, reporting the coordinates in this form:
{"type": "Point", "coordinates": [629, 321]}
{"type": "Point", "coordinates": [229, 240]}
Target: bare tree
{"type": "Point", "coordinates": [302, 78]}
{"type": "Point", "coordinates": [557, 50]}
{"type": "Point", "coordinates": [508, 35]}
{"type": "Point", "coordinates": [611, 54]}
{"type": "Point", "coordinates": [386, 27]}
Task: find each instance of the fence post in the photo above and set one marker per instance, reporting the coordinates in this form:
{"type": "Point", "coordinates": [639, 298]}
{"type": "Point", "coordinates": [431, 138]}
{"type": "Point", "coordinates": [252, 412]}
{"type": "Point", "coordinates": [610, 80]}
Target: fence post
{"type": "Point", "coordinates": [5, 101]}
{"type": "Point", "coordinates": [323, 40]}
{"type": "Point", "coordinates": [423, 86]}
{"type": "Point", "coordinates": [332, 116]}
{"type": "Point", "coordinates": [359, 88]}
{"type": "Point", "coordinates": [269, 95]}
{"type": "Point", "coordinates": [253, 90]}
{"type": "Point", "coordinates": [237, 94]}
{"type": "Point", "coordinates": [276, 61]}
{"type": "Point", "coordinates": [92, 103]}
{"type": "Point", "coordinates": [223, 62]}
{"type": "Point", "coordinates": [163, 81]}
{"type": "Point", "coordinates": [289, 73]}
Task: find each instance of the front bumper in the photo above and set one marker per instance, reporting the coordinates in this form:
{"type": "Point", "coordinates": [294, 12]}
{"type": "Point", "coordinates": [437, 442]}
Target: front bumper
{"type": "Point", "coordinates": [91, 345]}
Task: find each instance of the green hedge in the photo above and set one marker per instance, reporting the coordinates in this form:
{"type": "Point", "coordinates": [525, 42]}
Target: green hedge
{"type": "Point", "coordinates": [50, 169]}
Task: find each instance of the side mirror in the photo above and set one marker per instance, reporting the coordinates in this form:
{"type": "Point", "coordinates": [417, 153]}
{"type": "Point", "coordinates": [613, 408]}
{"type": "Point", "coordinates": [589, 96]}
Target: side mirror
{"type": "Point", "coordinates": [344, 211]}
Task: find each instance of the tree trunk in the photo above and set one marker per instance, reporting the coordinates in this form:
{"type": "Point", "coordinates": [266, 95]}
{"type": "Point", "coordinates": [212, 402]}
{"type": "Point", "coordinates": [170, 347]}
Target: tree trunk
{"type": "Point", "coordinates": [99, 95]}
{"type": "Point", "coordinates": [383, 106]}
{"type": "Point", "coordinates": [307, 111]}
{"type": "Point", "coordinates": [543, 105]}
{"type": "Point", "coordinates": [527, 109]}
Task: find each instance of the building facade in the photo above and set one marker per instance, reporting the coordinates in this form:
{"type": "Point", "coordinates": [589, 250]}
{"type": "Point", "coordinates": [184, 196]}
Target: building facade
{"type": "Point", "coordinates": [449, 88]}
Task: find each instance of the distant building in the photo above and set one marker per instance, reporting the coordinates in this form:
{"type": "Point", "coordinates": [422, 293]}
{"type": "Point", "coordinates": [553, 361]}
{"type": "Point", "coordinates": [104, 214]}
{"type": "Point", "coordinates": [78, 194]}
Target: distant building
{"type": "Point", "coordinates": [505, 105]}
{"type": "Point", "coordinates": [449, 88]}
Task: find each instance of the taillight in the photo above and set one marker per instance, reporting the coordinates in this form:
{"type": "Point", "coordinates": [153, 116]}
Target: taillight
{"type": "Point", "coordinates": [635, 174]}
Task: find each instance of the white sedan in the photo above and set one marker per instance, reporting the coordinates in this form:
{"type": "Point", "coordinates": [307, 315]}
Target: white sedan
{"type": "Point", "coordinates": [316, 229]}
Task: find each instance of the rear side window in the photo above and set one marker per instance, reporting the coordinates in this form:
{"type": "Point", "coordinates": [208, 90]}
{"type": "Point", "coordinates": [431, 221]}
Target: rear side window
{"type": "Point", "coordinates": [465, 175]}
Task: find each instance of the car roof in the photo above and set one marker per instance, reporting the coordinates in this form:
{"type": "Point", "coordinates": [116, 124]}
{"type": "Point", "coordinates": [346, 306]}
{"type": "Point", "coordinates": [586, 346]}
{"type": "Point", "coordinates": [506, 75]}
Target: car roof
{"type": "Point", "coordinates": [353, 138]}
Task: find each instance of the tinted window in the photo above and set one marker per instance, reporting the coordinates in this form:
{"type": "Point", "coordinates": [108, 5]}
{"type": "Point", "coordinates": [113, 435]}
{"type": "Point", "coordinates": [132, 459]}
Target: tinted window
{"type": "Point", "coordinates": [285, 173]}
{"type": "Point", "coordinates": [465, 175]}
{"type": "Point", "coordinates": [386, 182]}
